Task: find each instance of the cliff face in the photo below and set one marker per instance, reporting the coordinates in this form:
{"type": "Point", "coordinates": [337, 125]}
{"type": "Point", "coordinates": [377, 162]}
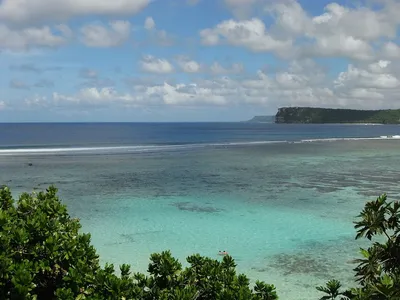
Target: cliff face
{"type": "Point", "coordinates": [328, 115]}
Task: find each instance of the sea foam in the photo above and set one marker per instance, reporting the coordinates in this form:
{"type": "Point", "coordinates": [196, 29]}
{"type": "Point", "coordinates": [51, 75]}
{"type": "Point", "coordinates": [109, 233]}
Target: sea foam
{"type": "Point", "coordinates": [157, 148]}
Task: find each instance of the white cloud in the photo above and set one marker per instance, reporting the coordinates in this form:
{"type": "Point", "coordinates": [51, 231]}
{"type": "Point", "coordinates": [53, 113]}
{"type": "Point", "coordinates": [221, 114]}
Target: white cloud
{"type": "Point", "coordinates": [235, 68]}
{"type": "Point", "coordinates": [261, 90]}
{"type": "Point", "coordinates": [391, 10]}
{"type": "Point", "coordinates": [379, 66]}
{"type": "Point", "coordinates": [158, 37]}
{"type": "Point", "coordinates": [334, 33]}
{"type": "Point", "coordinates": [290, 17]}
{"type": "Point", "coordinates": [303, 83]}
{"type": "Point", "coordinates": [363, 93]}
{"type": "Point", "coordinates": [391, 50]}
{"type": "Point", "coordinates": [294, 33]}
{"type": "Point", "coordinates": [152, 64]}
{"type": "Point", "coordinates": [3, 105]}
{"type": "Point", "coordinates": [41, 11]}
{"type": "Point", "coordinates": [65, 30]}
{"type": "Point", "coordinates": [149, 23]}
{"type": "Point", "coordinates": [217, 92]}
{"type": "Point", "coordinates": [92, 97]}
{"type": "Point", "coordinates": [251, 34]}
{"type": "Point", "coordinates": [165, 94]}
{"type": "Point", "coordinates": [308, 68]}
{"type": "Point", "coordinates": [291, 81]}
{"type": "Point", "coordinates": [360, 78]}
{"type": "Point", "coordinates": [97, 35]}
{"type": "Point", "coordinates": [242, 8]}
{"type": "Point", "coordinates": [365, 36]}
{"type": "Point", "coordinates": [375, 86]}
{"type": "Point", "coordinates": [337, 20]}
{"type": "Point", "coordinates": [340, 46]}
{"type": "Point", "coordinates": [31, 37]}
{"type": "Point", "coordinates": [209, 37]}
{"type": "Point", "coordinates": [182, 94]}
{"type": "Point", "coordinates": [37, 101]}
{"type": "Point", "coordinates": [188, 66]}
{"type": "Point", "coordinates": [85, 97]}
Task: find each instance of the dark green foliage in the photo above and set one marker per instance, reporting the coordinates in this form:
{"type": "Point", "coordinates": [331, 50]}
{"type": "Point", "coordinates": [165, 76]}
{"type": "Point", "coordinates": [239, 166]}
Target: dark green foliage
{"type": "Point", "coordinates": [378, 271]}
{"type": "Point", "coordinates": [329, 115]}
{"type": "Point", "coordinates": [332, 290]}
{"type": "Point", "coordinates": [43, 256]}
{"type": "Point", "coordinates": [41, 249]}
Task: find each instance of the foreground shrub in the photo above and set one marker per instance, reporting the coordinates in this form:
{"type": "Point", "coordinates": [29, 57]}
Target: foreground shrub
{"type": "Point", "coordinates": [44, 256]}
{"type": "Point", "coordinates": [378, 271]}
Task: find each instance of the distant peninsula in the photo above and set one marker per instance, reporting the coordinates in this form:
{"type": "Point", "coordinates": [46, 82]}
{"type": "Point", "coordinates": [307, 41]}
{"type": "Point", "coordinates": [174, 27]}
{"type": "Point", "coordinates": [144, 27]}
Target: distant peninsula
{"type": "Point", "coordinates": [262, 119]}
{"type": "Point", "coordinates": [329, 115]}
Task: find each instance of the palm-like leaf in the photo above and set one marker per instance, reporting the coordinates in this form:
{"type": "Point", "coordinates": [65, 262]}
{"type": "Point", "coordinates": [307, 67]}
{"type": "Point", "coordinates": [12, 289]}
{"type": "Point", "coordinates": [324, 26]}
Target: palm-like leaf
{"type": "Point", "coordinates": [373, 218]}
{"type": "Point", "coordinates": [379, 269]}
{"type": "Point", "coordinates": [331, 289]}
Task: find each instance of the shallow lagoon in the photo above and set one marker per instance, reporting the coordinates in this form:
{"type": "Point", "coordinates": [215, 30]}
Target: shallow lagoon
{"type": "Point", "coordinates": [284, 211]}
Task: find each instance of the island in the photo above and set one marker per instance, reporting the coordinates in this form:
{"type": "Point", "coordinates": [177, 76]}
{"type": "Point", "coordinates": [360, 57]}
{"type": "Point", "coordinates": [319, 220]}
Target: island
{"type": "Point", "coordinates": [329, 115]}
{"type": "Point", "coordinates": [262, 119]}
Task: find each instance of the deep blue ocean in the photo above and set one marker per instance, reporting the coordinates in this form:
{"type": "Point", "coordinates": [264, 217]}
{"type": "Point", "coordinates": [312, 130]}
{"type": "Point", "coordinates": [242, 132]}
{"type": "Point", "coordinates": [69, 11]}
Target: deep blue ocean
{"type": "Point", "coordinates": [280, 198]}
{"type": "Point", "coordinates": [76, 135]}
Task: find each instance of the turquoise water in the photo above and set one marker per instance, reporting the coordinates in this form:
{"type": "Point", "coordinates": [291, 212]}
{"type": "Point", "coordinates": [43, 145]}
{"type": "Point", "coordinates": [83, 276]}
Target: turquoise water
{"type": "Point", "coordinates": [284, 211]}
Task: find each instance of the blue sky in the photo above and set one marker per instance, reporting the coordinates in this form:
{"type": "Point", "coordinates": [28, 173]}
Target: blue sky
{"type": "Point", "coordinates": [187, 60]}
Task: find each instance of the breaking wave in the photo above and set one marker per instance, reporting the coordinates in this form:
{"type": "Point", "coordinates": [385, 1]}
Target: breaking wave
{"type": "Point", "coordinates": [158, 148]}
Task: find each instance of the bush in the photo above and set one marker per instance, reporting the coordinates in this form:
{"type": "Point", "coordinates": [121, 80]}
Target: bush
{"type": "Point", "coordinates": [43, 256]}
{"type": "Point", "coordinates": [378, 271]}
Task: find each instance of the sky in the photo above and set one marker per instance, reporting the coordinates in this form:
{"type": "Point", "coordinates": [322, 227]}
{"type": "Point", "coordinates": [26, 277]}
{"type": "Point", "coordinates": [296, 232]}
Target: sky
{"type": "Point", "coordinates": [194, 60]}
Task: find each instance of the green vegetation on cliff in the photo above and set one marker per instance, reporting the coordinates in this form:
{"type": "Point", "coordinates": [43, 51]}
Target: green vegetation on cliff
{"type": "Point", "coordinates": [329, 115]}
{"type": "Point", "coordinates": [44, 256]}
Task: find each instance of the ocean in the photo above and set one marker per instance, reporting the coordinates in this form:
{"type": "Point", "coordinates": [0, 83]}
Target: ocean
{"type": "Point", "coordinates": [280, 198]}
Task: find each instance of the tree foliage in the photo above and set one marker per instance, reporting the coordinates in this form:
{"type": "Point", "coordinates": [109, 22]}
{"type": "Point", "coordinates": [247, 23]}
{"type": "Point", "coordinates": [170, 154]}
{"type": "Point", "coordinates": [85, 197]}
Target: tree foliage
{"type": "Point", "coordinates": [378, 269]}
{"type": "Point", "coordinates": [44, 256]}
{"type": "Point", "coordinates": [330, 115]}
